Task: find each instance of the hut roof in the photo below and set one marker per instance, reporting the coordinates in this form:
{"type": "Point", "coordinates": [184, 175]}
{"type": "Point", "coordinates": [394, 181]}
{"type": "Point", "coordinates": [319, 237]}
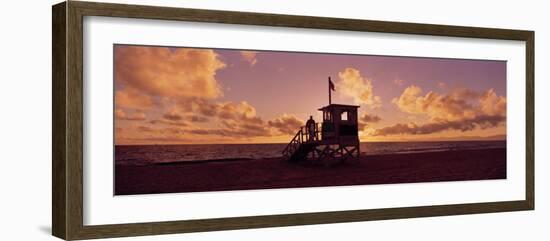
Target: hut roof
{"type": "Point", "coordinates": [339, 106]}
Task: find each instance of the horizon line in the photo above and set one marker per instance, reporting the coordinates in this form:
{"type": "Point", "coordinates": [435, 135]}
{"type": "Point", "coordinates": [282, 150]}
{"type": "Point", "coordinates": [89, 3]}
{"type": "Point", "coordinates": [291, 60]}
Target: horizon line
{"type": "Point", "coordinates": [271, 143]}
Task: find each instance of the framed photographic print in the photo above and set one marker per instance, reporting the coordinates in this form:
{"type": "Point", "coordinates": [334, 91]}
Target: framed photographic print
{"type": "Point", "coordinates": [171, 120]}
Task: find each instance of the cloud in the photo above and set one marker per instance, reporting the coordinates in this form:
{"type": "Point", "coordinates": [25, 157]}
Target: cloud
{"type": "Point", "coordinates": [353, 85]}
{"type": "Point", "coordinates": [179, 92]}
{"type": "Point", "coordinates": [286, 124]}
{"type": "Point", "coordinates": [492, 104]}
{"type": "Point", "coordinates": [122, 115]}
{"type": "Point", "coordinates": [370, 118]}
{"type": "Point", "coordinates": [231, 110]}
{"type": "Point", "coordinates": [237, 126]}
{"type": "Point", "coordinates": [243, 126]}
{"type": "Point", "coordinates": [250, 57]}
{"type": "Point", "coordinates": [132, 99]}
{"type": "Point", "coordinates": [175, 115]}
{"type": "Point", "coordinates": [454, 106]}
{"type": "Point", "coordinates": [238, 119]}
{"type": "Point", "coordinates": [233, 133]}
{"type": "Point", "coordinates": [480, 122]}
{"type": "Point", "coordinates": [145, 129]}
{"type": "Point", "coordinates": [144, 73]}
{"type": "Point", "coordinates": [366, 120]}
{"type": "Point", "coordinates": [461, 109]}
{"type": "Point", "coordinates": [458, 105]}
{"type": "Point", "coordinates": [169, 122]}
{"type": "Point", "coordinates": [196, 118]}
{"type": "Point", "coordinates": [223, 110]}
{"type": "Point", "coordinates": [233, 119]}
{"type": "Point", "coordinates": [203, 107]}
{"type": "Point", "coordinates": [146, 134]}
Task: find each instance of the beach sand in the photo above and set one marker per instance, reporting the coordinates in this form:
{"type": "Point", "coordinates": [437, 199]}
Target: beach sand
{"type": "Point", "coordinates": [277, 173]}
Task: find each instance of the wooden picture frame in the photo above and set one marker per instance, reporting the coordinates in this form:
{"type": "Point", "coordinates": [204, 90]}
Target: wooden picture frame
{"type": "Point", "coordinates": [67, 149]}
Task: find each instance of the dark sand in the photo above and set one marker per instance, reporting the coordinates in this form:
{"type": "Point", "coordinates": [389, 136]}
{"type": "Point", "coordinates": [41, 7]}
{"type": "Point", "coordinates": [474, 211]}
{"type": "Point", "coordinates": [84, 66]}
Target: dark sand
{"type": "Point", "coordinates": [277, 173]}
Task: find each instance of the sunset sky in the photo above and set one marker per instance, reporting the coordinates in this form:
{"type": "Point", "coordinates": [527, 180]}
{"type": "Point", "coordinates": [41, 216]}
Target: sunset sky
{"type": "Point", "coordinates": [197, 96]}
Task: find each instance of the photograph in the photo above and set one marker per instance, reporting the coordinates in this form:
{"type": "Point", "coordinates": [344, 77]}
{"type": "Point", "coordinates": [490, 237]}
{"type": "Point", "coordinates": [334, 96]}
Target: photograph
{"type": "Point", "coordinates": [190, 119]}
{"type": "Point", "coordinates": [269, 120]}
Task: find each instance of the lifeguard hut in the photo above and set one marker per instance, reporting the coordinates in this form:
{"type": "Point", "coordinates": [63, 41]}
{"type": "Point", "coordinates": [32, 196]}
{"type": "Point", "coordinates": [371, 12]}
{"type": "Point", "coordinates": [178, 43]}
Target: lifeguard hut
{"type": "Point", "coordinates": [336, 138]}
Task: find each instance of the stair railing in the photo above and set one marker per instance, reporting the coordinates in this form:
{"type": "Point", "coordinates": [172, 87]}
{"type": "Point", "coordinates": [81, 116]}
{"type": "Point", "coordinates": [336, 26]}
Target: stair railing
{"type": "Point", "coordinates": [294, 143]}
{"type": "Point", "coordinates": [301, 136]}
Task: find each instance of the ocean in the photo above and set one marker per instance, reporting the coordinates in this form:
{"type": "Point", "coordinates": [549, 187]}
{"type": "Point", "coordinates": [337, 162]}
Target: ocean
{"type": "Point", "coordinates": [151, 154]}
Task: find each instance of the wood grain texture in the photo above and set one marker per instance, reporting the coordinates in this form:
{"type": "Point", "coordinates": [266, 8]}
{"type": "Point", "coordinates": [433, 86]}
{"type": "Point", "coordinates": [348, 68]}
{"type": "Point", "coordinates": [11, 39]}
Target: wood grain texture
{"type": "Point", "coordinates": [59, 192]}
{"type": "Point", "coordinates": [187, 226]}
{"type": "Point", "coordinates": [530, 120]}
{"type": "Point", "coordinates": [263, 19]}
{"type": "Point", "coordinates": [74, 134]}
{"type": "Point", "coordinates": [67, 150]}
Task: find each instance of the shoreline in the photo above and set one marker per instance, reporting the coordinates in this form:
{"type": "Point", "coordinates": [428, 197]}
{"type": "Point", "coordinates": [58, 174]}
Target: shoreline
{"type": "Point", "coordinates": [189, 162]}
{"type": "Point", "coordinates": [247, 174]}
{"type": "Point", "coordinates": [232, 159]}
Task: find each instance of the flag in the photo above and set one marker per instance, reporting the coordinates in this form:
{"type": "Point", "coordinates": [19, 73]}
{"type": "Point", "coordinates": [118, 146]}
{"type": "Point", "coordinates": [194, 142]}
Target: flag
{"type": "Point", "coordinates": [330, 84]}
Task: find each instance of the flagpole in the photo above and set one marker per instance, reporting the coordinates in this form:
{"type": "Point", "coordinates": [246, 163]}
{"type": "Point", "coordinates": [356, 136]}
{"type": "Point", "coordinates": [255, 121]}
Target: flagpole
{"type": "Point", "coordinates": [329, 93]}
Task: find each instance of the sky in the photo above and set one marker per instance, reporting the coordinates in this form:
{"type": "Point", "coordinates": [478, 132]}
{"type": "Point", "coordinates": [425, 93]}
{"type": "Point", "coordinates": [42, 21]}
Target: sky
{"type": "Point", "coordinates": [168, 95]}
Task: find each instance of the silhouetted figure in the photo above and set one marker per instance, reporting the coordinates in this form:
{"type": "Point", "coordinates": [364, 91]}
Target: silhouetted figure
{"type": "Point", "coordinates": [310, 127]}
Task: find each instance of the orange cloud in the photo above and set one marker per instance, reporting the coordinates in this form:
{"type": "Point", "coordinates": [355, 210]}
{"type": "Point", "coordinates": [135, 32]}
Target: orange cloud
{"type": "Point", "coordinates": [458, 105]}
{"type": "Point", "coordinates": [169, 122]}
{"type": "Point", "coordinates": [492, 104]}
{"type": "Point", "coordinates": [286, 124]}
{"type": "Point", "coordinates": [176, 116]}
{"type": "Point", "coordinates": [204, 107]}
{"type": "Point", "coordinates": [231, 110]}
{"type": "Point", "coordinates": [239, 120]}
{"type": "Point", "coordinates": [182, 87]}
{"type": "Point", "coordinates": [236, 126]}
{"type": "Point", "coordinates": [370, 118]}
{"type": "Point", "coordinates": [366, 119]}
{"type": "Point", "coordinates": [132, 99]}
{"type": "Point", "coordinates": [196, 118]}
{"type": "Point", "coordinates": [243, 126]}
{"type": "Point", "coordinates": [249, 56]}
{"type": "Point", "coordinates": [462, 110]}
{"type": "Point", "coordinates": [145, 129]}
{"type": "Point", "coordinates": [148, 72]}
{"type": "Point", "coordinates": [173, 116]}
{"type": "Point", "coordinates": [233, 133]}
{"type": "Point", "coordinates": [145, 134]}
{"type": "Point", "coordinates": [479, 122]}
{"type": "Point", "coordinates": [122, 115]}
{"type": "Point", "coordinates": [160, 77]}
{"type": "Point", "coordinates": [353, 85]}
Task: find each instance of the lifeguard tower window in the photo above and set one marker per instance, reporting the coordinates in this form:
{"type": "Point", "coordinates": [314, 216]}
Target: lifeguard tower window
{"type": "Point", "coordinates": [327, 116]}
{"type": "Point", "coordinates": [344, 116]}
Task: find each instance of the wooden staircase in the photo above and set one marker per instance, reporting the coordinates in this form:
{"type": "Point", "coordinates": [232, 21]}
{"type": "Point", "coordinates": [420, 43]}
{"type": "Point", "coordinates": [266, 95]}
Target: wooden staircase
{"type": "Point", "coordinates": [301, 145]}
{"type": "Point", "coordinates": [301, 153]}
